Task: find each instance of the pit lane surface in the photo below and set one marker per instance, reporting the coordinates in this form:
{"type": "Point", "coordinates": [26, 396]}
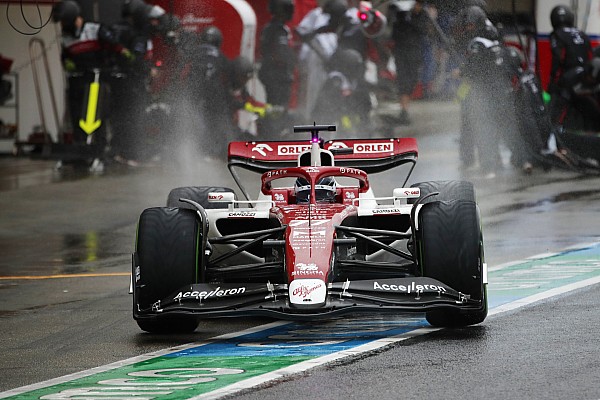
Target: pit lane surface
{"type": "Point", "coordinates": [83, 227]}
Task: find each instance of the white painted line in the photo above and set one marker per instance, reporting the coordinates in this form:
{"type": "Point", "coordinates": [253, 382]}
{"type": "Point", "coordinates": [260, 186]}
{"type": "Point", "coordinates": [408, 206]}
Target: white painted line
{"type": "Point", "coordinates": [103, 368]}
{"type": "Point", "coordinates": [312, 363]}
{"type": "Point", "coordinates": [542, 296]}
{"type": "Point", "coordinates": [309, 364]}
{"type": "Point", "coordinates": [544, 255]}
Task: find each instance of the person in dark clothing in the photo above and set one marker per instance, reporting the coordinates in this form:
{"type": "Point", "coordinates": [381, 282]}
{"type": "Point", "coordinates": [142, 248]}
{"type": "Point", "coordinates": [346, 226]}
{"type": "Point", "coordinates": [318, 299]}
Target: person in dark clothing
{"type": "Point", "coordinates": [210, 80]}
{"type": "Point", "coordinates": [571, 48]}
{"type": "Point", "coordinates": [490, 98]}
{"type": "Point", "coordinates": [87, 51]}
{"type": "Point", "coordinates": [344, 98]}
{"type": "Point", "coordinates": [470, 22]}
{"type": "Point", "coordinates": [129, 94]}
{"type": "Point", "coordinates": [278, 62]}
{"type": "Point", "coordinates": [410, 27]}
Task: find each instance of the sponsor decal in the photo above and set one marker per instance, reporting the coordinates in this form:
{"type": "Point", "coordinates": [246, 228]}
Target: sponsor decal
{"type": "Point", "coordinates": [312, 233]}
{"type": "Point", "coordinates": [307, 291]}
{"type": "Point", "coordinates": [302, 269]}
{"type": "Point", "coordinates": [307, 267]}
{"type": "Point", "coordinates": [370, 148]}
{"type": "Point", "coordinates": [315, 170]}
{"type": "Point", "coordinates": [292, 149]}
{"type": "Point", "coordinates": [338, 145]}
{"type": "Point", "coordinates": [277, 172]}
{"type": "Point", "coordinates": [321, 220]}
{"type": "Point", "coordinates": [138, 275]}
{"type": "Point", "coordinates": [191, 19]}
{"type": "Point", "coordinates": [215, 197]}
{"type": "Point", "coordinates": [412, 192]}
{"type": "Point", "coordinates": [241, 214]}
{"type": "Point", "coordinates": [409, 288]}
{"type": "Point", "coordinates": [387, 211]}
{"type": "Point", "coordinates": [262, 148]}
{"type": "Point", "coordinates": [218, 292]}
{"type": "Point", "coordinates": [353, 171]}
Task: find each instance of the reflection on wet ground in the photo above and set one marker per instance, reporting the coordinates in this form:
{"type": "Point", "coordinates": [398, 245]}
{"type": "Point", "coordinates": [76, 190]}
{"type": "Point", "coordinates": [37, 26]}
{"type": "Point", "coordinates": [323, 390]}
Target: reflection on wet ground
{"type": "Point", "coordinates": [65, 254]}
{"type": "Point", "coordinates": [21, 172]}
{"type": "Point", "coordinates": [561, 197]}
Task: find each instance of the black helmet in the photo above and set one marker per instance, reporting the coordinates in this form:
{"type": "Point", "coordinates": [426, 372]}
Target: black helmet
{"type": "Point", "coordinates": [562, 16]}
{"type": "Point", "coordinates": [242, 69]}
{"type": "Point", "coordinates": [66, 12]}
{"type": "Point", "coordinates": [283, 9]}
{"type": "Point", "coordinates": [476, 16]}
{"type": "Point", "coordinates": [478, 3]}
{"type": "Point", "coordinates": [336, 10]}
{"type": "Point", "coordinates": [138, 11]}
{"type": "Point", "coordinates": [349, 62]}
{"type": "Point", "coordinates": [212, 35]}
{"type": "Point", "coordinates": [325, 190]}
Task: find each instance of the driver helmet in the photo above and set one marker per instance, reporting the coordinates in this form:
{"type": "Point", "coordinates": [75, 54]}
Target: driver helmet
{"type": "Point", "coordinates": [325, 190]}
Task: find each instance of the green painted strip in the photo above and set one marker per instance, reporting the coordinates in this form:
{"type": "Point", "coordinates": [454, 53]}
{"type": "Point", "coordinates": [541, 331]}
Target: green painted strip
{"type": "Point", "coordinates": [167, 378]}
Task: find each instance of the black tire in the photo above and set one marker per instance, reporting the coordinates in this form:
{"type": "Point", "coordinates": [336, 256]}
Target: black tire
{"type": "Point", "coordinates": [199, 194]}
{"type": "Point", "coordinates": [166, 253]}
{"type": "Point", "coordinates": [448, 190]}
{"type": "Point", "coordinates": [450, 248]}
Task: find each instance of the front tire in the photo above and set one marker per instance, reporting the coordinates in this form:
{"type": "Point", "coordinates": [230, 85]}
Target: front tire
{"type": "Point", "coordinates": [167, 259]}
{"type": "Point", "coordinates": [450, 247]}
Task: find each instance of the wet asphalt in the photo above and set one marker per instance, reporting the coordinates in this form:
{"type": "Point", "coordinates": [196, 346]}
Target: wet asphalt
{"type": "Point", "coordinates": [66, 239]}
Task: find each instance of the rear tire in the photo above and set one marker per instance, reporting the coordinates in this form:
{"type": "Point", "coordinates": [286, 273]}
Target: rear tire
{"type": "Point", "coordinates": [450, 247]}
{"type": "Point", "coordinates": [167, 259]}
{"type": "Point", "coordinates": [199, 194]}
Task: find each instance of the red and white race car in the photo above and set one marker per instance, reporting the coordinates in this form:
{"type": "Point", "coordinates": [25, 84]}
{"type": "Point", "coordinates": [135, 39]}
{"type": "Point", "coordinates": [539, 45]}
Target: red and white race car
{"type": "Point", "coordinates": [317, 242]}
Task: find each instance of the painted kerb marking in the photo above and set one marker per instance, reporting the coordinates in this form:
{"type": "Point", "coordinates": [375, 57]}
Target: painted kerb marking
{"type": "Point", "coordinates": [232, 362]}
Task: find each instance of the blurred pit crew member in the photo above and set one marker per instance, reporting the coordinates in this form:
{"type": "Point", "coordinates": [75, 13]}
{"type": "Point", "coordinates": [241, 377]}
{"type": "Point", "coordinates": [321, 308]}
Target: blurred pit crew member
{"type": "Point", "coordinates": [85, 46]}
{"type": "Point", "coordinates": [344, 98]}
{"type": "Point", "coordinates": [318, 33]}
{"type": "Point", "coordinates": [242, 71]}
{"type": "Point", "coordinates": [278, 62]}
{"type": "Point", "coordinates": [325, 190]}
{"type": "Point", "coordinates": [488, 99]}
{"type": "Point", "coordinates": [129, 94]}
{"type": "Point", "coordinates": [409, 30]}
{"type": "Point", "coordinates": [210, 78]}
{"type": "Point", "coordinates": [581, 93]}
{"type": "Point", "coordinates": [571, 48]}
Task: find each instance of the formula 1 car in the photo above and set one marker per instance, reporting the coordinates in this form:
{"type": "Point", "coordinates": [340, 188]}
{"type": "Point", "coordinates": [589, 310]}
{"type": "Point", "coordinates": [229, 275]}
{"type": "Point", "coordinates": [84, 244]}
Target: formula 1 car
{"type": "Point", "coordinates": [322, 246]}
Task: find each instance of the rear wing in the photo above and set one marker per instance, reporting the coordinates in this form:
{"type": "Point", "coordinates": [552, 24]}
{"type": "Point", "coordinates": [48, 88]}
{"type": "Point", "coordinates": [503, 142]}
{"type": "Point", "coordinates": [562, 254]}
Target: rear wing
{"type": "Point", "coordinates": [369, 155]}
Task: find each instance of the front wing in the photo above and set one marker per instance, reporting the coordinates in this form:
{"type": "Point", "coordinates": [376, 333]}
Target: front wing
{"type": "Point", "coordinates": [416, 294]}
